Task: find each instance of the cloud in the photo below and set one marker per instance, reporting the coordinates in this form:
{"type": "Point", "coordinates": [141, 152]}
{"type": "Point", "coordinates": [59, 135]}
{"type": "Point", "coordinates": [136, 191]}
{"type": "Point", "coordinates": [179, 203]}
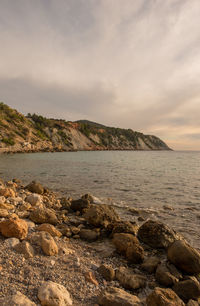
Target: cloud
{"type": "Point", "coordinates": [125, 63]}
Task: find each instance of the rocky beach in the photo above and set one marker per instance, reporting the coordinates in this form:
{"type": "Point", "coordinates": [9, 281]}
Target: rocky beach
{"type": "Point", "coordinates": [63, 251]}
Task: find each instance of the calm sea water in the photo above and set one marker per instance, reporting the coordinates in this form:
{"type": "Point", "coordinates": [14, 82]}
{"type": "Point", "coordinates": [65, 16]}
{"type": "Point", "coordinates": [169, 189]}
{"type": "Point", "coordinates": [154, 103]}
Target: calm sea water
{"type": "Point", "coordinates": [143, 180]}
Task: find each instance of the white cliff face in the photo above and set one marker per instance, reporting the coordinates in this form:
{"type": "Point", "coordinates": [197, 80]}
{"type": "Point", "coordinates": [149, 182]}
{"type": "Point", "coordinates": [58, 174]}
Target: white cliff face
{"type": "Point", "coordinates": [21, 134]}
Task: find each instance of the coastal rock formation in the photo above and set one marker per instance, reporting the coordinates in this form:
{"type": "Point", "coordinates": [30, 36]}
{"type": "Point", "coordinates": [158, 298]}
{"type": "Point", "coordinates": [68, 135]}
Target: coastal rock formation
{"type": "Point", "coordinates": [129, 246]}
{"type": "Point", "coordinates": [156, 234]}
{"type": "Point", "coordinates": [184, 257]}
{"type": "Point", "coordinates": [36, 133]}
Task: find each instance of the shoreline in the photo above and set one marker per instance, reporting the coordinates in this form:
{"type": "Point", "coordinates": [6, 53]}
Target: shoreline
{"type": "Point", "coordinates": [84, 245]}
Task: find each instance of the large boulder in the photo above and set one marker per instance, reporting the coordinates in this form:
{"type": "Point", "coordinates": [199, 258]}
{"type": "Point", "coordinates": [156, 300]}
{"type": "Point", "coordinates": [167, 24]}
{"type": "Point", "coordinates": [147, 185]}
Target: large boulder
{"type": "Point", "coordinates": [156, 234]}
{"type": "Point", "coordinates": [124, 227]}
{"type": "Point", "coordinates": [14, 227]}
{"type": "Point", "coordinates": [35, 187]}
{"type": "Point", "coordinates": [17, 299]}
{"type": "Point", "coordinates": [112, 296]}
{"type": "Point", "coordinates": [43, 215]}
{"type": "Point", "coordinates": [101, 215]}
{"type": "Point", "coordinates": [129, 246]}
{"type": "Point", "coordinates": [53, 294]}
{"type": "Point", "coordinates": [163, 297]}
{"type": "Point", "coordinates": [188, 289]}
{"type": "Point", "coordinates": [80, 205]}
{"type": "Point", "coordinates": [184, 257]}
{"type": "Point", "coordinates": [129, 280]}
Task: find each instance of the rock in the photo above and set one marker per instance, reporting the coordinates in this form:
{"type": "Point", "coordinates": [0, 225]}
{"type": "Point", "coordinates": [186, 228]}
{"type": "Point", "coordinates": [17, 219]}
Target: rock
{"type": "Point", "coordinates": [129, 280]}
{"type": "Point", "coordinates": [91, 198]}
{"type": "Point", "coordinates": [184, 257]}
{"type": "Point", "coordinates": [6, 206]}
{"type": "Point", "coordinates": [112, 296]}
{"type": "Point", "coordinates": [66, 203]}
{"type": "Point", "coordinates": [35, 187]}
{"type": "Point", "coordinates": [4, 213]}
{"type": "Point", "coordinates": [192, 303]}
{"type": "Point", "coordinates": [90, 277]}
{"type": "Point", "coordinates": [128, 245]}
{"type": "Point", "coordinates": [33, 199]}
{"type": "Point", "coordinates": [101, 215]}
{"type": "Point", "coordinates": [163, 297]}
{"type": "Point", "coordinates": [164, 277]}
{"type": "Point", "coordinates": [49, 228]}
{"type": "Point", "coordinates": [188, 289]}
{"type": "Point", "coordinates": [7, 192]}
{"type": "Point", "coordinates": [107, 272]}
{"type": "Point", "coordinates": [88, 235]}
{"type": "Point", "coordinates": [80, 205]}
{"type": "Point", "coordinates": [14, 227]}
{"type": "Point", "coordinates": [75, 230]}
{"type": "Point", "coordinates": [150, 264]}
{"type": "Point", "coordinates": [25, 248]}
{"type": "Point", "coordinates": [48, 244]}
{"type": "Point", "coordinates": [17, 299]}
{"type": "Point", "coordinates": [43, 215]}
{"type": "Point", "coordinates": [124, 227]}
{"type": "Point", "coordinates": [53, 294]}
{"type": "Point", "coordinates": [156, 234]}
{"type": "Point", "coordinates": [11, 242]}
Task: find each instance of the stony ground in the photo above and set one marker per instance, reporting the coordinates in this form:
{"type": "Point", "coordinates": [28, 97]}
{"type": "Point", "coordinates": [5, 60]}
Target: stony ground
{"type": "Point", "coordinates": [83, 236]}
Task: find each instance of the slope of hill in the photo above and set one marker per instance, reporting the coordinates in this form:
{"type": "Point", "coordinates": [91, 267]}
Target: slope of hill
{"type": "Point", "coordinates": [35, 133]}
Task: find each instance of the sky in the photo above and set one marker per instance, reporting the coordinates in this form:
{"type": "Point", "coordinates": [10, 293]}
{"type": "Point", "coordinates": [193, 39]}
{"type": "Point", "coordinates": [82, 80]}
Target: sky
{"type": "Point", "coordinates": [123, 63]}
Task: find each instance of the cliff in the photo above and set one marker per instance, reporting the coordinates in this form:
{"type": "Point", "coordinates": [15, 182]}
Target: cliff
{"type": "Point", "coordinates": [34, 133]}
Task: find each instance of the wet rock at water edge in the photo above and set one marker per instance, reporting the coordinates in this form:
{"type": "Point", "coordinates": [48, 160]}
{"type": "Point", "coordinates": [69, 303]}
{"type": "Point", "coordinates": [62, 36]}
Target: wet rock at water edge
{"type": "Point", "coordinates": [129, 246]}
{"type": "Point", "coordinates": [101, 215]}
{"type": "Point", "coordinates": [150, 264]}
{"type": "Point", "coordinates": [80, 205]}
{"type": "Point", "coordinates": [184, 257]}
{"type": "Point", "coordinates": [163, 297]}
{"type": "Point", "coordinates": [35, 187]}
{"type": "Point", "coordinates": [188, 289]}
{"type": "Point", "coordinates": [113, 296]}
{"type": "Point", "coordinates": [156, 234]}
{"type": "Point", "coordinates": [164, 276]}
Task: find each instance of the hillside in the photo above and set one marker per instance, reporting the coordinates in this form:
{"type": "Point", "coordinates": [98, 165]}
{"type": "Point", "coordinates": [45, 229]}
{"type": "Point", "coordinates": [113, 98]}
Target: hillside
{"type": "Point", "coordinates": [34, 133]}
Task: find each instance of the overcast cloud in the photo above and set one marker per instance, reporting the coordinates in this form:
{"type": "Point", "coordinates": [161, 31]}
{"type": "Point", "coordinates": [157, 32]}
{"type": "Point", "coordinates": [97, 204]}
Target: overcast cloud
{"type": "Point", "coordinates": [132, 64]}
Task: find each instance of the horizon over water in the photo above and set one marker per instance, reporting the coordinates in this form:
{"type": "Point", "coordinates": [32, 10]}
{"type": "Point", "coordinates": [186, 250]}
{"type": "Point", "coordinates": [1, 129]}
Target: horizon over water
{"type": "Point", "coordinates": [164, 185]}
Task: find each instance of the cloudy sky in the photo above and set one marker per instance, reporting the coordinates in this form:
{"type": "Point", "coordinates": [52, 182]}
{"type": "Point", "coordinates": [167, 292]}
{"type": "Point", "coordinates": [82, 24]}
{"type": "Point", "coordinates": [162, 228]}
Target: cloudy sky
{"type": "Point", "coordinates": [124, 63]}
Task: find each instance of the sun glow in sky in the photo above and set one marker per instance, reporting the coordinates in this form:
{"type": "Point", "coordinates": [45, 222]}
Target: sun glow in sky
{"type": "Point", "coordinates": [123, 63]}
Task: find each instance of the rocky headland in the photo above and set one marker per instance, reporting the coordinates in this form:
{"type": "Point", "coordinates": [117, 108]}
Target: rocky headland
{"type": "Point", "coordinates": [61, 251]}
{"type": "Point", "coordinates": [35, 133]}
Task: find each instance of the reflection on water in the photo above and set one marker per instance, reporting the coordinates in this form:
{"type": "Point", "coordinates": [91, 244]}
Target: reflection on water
{"type": "Point", "coordinates": [146, 180]}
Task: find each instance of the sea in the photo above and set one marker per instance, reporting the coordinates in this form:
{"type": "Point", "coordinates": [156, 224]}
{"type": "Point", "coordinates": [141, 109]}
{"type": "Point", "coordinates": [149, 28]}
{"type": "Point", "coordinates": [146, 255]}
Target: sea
{"type": "Point", "coordinates": [159, 185]}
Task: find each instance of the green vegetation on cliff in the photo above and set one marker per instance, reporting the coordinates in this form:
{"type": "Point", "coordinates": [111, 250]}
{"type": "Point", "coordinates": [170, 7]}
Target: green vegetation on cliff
{"type": "Point", "coordinates": [37, 133]}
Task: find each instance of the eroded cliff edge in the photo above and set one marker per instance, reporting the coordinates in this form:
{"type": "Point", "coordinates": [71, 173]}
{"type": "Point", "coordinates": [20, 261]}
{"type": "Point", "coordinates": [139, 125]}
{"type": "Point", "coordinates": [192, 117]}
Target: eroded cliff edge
{"type": "Point", "coordinates": [34, 133]}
